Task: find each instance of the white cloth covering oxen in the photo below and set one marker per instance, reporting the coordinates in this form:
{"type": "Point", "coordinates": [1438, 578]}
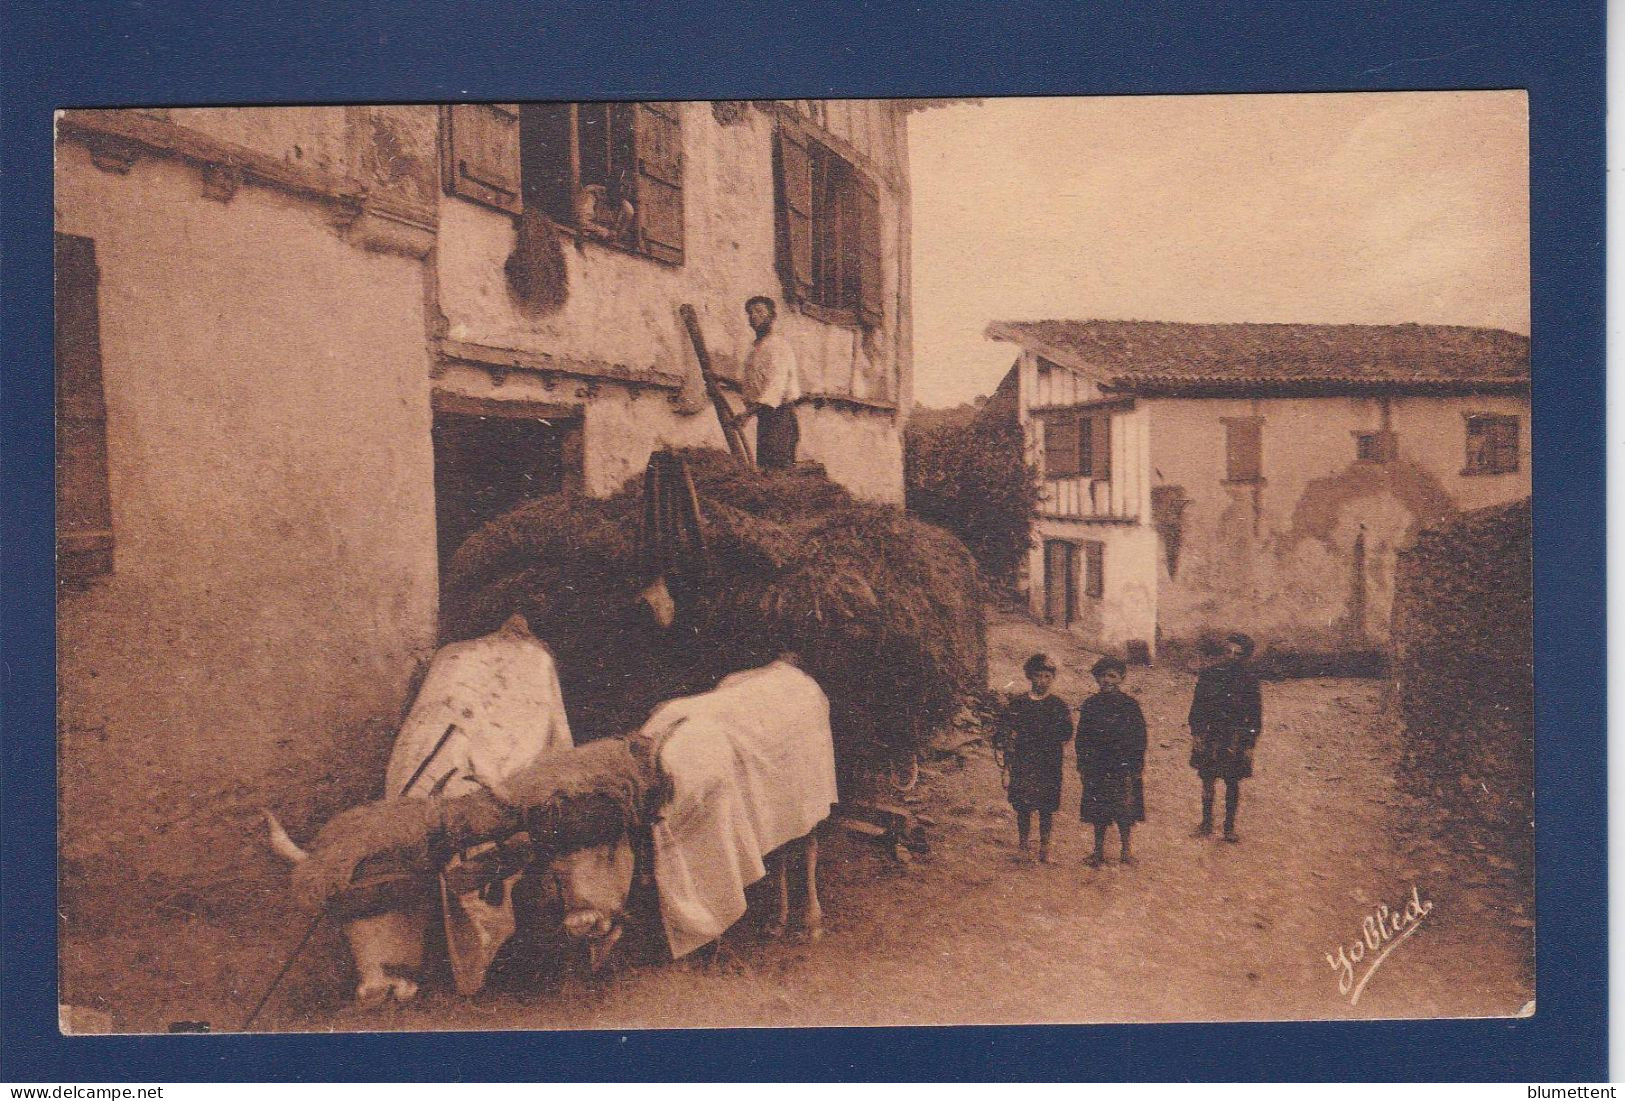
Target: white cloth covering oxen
{"type": "Point", "coordinates": [751, 767]}
{"type": "Point", "coordinates": [501, 692]}
{"type": "Point", "coordinates": [500, 696]}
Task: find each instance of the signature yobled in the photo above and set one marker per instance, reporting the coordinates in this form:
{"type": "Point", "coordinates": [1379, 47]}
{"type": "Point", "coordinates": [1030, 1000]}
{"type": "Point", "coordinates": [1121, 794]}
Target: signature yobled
{"type": "Point", "coordinates": [1382, 930]}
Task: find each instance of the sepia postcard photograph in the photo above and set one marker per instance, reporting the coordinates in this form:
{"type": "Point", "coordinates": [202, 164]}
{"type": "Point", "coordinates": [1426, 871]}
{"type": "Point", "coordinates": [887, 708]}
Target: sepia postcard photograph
{"type": "Point", "coordinates": [794, 563]}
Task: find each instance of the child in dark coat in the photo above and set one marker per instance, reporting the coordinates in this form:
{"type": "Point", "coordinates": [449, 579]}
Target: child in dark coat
{"type": "Point", "coordinates": [1111, 759]}
{"type": "Point", "coordinates": [1227, 714]}
{"type": "Point", "coordinates": [1036, 727]}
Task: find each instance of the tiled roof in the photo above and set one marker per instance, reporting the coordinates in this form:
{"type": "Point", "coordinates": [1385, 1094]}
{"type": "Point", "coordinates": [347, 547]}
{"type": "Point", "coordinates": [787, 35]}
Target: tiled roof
{"type": "Point", "coordinates": [1160, 357]}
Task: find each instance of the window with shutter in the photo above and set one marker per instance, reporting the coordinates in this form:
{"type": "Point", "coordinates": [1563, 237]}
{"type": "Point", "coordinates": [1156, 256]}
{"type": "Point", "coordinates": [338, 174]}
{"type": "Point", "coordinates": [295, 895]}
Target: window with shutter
{"type": "Point", "coordinates": [1244, 437]}
{"type": "Point", "coordinates": [660, 181]}
{"type": "Point", "coordinates": [84, 514]}
{"type": "Point", "coordinates": [829, 232]}
{"type": "Point", "coordinates": [1062, 445]}
{"type": "Point", "coordinates": [1492, 444]}
{"type": "Point", "coordinates": [612, 171]}
{"type": "Point", "coordinates": [480, 153]}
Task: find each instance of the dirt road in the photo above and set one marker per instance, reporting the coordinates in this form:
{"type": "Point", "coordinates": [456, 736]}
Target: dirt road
{"type": "Point", "coordinates": [1195, 930]}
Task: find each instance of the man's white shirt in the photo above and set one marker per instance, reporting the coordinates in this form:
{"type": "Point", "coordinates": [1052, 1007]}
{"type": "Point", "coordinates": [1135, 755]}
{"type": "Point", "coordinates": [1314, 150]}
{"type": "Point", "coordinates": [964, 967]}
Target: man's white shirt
{"type": "Point", "coordinates": [772, 376]}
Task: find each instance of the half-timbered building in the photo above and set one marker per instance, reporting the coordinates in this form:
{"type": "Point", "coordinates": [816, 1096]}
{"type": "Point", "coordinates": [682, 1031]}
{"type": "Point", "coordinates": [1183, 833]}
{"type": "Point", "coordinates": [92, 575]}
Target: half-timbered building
{"type": "Point", "coordinates": [1202, 478]}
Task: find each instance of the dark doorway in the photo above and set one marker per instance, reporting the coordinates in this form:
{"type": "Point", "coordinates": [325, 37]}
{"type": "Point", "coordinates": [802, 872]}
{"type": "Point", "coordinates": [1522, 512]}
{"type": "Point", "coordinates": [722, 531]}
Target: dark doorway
{"type": "Point", "coordinates": [487, 462]}
{"type": "Point", "coordinates": [1060, 582]}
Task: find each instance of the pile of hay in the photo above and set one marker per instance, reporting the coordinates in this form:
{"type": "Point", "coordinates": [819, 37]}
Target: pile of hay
{"type": "Point", "coordinates": [884, 611]}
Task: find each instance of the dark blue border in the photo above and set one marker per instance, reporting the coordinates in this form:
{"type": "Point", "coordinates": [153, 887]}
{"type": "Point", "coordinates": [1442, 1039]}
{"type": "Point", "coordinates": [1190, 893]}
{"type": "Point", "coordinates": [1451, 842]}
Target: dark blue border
{"type": "Point", "coordinates": [240, 51]}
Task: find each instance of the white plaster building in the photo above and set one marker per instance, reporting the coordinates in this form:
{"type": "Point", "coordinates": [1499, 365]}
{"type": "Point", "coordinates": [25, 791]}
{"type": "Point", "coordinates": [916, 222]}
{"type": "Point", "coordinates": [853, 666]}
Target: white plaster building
{"type": "Point", "coordinates": [1205, 478]}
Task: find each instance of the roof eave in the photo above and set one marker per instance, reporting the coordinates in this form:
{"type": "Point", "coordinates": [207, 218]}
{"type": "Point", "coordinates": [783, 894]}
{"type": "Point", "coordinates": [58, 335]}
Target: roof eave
{"type": "Point", "coordinates": [1129, 385]}
{"type": "Point", "coordinates": [1061, 357]}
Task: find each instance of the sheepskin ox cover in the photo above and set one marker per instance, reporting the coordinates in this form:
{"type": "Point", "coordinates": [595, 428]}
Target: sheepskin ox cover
{"type": "Point", "coordinates": [501, 691]}
{"type": "Point", "coordinates": [751, 767]}
{"type": "Point", "coordinates": [565, 800]}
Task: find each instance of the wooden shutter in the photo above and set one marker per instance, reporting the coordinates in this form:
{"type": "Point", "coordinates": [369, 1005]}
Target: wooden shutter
{"type": "Point", "coordinates": [871, 294]}
{"type": "Point", "coordinates": [1094, 569]}
{"type": "Point", "coordinates": [792, 164]}
{"type": "Point", "coordinates": [479, 156]}
{"type": "Point", "coordinates": [1100, 446]}
{"type": "Point", "coordinates": [1243, 449]}
{"type": "Point", "coordinates": [1477, 445]}
{"type": "Point", "coordinates": [1059, 598]}
{"type": "Point", "coordinates": [845, 236]}
{"type": "Point", "coordinates": [84, 514]}
{"type": "Point", "coordinates": [1062, 445]}
{"type": "Point", "coordinates": [826, 227]}
{"type": "Point", "coordinates": [1504, 444]}
{"type": "Point", "coordinates": [660, 181]}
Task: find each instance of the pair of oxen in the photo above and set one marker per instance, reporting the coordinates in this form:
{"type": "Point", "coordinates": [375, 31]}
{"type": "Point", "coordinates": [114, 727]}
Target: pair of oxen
{"type": "Point", "coordinates": [485, 785]}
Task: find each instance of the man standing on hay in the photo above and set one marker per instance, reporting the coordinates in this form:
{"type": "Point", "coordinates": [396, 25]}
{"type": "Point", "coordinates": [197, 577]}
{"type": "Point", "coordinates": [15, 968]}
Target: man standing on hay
{"type": "Point", "coordinates": [772, 388]}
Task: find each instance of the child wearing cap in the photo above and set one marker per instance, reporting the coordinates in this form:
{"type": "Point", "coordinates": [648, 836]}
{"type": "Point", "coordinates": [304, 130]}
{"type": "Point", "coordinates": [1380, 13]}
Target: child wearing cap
{"type": "Point", "coordinates": [1111, 759]}
{"type": "Point", "coordinates": [1036, 727]}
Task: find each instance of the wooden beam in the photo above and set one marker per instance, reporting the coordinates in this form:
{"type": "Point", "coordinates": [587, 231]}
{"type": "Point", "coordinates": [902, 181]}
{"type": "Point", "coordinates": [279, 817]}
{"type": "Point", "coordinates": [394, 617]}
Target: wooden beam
{"type": "Point", "coordinates": [447, 401]}
{"type": "Point", "coordinates": [514, 359]}
{"type": "Point", "coordinates": [1102, 405]}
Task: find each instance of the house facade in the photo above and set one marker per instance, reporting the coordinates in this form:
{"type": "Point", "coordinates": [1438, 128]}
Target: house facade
{"type": "Point", "coordinates": [1203, 478]}
{"type": "Point", "coordinates": [303, 351]}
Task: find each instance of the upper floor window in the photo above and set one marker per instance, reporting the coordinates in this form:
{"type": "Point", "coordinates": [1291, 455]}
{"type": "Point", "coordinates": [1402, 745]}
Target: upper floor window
{"type": "Point", "coordinates": [612, 171]}
{"type": "Point", "coordinates": [1078, 444]}
{"type": "Point", "coordinates": [1243, 449]}
{"type": "Point", "coordinates": [1492, 443]}
{"type": "Point", "coordinates": [828, 231]}
{"type": "Point", "coordinates": [1375, 447]}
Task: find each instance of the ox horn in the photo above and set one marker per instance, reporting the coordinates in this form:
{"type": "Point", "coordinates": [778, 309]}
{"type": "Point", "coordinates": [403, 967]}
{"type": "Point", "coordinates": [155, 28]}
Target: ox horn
{"type": "Point", "coordinates": [281, 843]}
